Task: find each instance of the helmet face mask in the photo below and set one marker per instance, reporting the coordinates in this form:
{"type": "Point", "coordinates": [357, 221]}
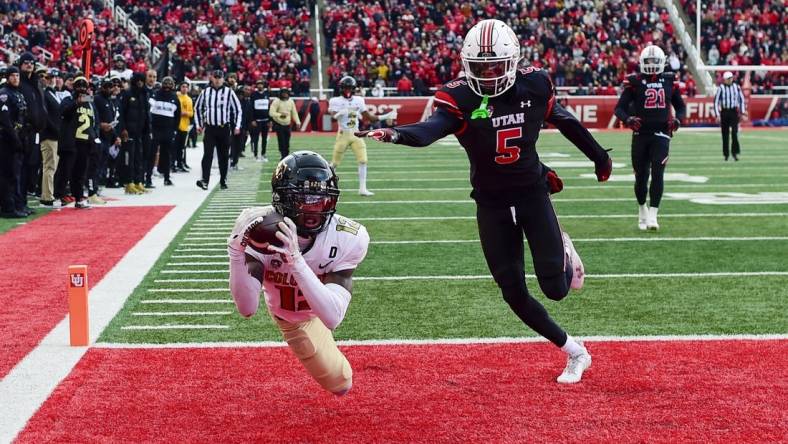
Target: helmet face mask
{"type": "Point", "coordinates": [652, 60]}
{"type": "Point", "coordinates": [305, 189]}
{"type": "Point", "coordinates": [490, 54]}
{"type": "Point", "coordinates": [347, 86]}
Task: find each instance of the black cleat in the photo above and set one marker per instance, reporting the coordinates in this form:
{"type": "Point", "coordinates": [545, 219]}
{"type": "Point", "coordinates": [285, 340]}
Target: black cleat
{"type": "Point", "coordinates": [203, 185]}
{"type": "Point", "coordinates": [167, 183]}
{"type": "Point", "coordinates": [223, 186]}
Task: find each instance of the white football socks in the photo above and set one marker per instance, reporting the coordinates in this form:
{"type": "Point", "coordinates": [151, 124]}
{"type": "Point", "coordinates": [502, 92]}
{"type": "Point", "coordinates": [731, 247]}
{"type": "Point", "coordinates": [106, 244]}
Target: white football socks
{"type": "Point", "coordinates": [572, 347]}
{"type": "Point", "coordinates": [362, 177]}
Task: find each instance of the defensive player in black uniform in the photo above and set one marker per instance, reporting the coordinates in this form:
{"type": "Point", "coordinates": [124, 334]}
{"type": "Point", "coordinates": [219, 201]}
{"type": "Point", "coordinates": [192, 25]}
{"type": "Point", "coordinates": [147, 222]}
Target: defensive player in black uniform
{"type": "Point", "coordinates": [652, 127]}
{"type": "Point", "coordinates": [496, 112]}
{"type": "Point", "coordinates": [165, 116]}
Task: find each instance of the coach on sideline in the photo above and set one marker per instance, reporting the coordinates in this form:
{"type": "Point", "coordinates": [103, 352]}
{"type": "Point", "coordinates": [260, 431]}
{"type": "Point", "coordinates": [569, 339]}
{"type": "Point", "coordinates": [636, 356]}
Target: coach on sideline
{"type": "Point", "coordinates": [729, 106]}
{"type": "Point", "coordinates": [216, 109]}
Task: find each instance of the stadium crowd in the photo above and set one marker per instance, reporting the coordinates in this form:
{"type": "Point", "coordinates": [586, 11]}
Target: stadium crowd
{"type": "Point", "coordinates": [414, 45]}
{"type": "Point", "coordinates": [255, 39]}
{"type": "Point", "coordinates": [744, 32]}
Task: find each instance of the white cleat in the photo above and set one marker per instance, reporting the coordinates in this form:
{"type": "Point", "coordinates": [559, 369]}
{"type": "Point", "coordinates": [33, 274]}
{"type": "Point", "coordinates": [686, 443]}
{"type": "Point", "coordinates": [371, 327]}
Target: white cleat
{"type": "Point", "coordinates": [365, 193]}
{"type": "Point", "coordinates": [642, 217]}
{"type": "Point", "coordinates": [575, 366]}
{"type": "Point", "coordinates": [578, 271]}
{"type": "Point", "coordinates": [651, 221]}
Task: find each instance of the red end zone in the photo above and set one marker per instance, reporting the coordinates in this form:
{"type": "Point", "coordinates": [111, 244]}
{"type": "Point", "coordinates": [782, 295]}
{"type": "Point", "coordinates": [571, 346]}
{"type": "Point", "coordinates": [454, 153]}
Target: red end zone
{"type": "Point", "coordinates": [35, 258]}
{"type": "Point", "coordinates": [721, 391]}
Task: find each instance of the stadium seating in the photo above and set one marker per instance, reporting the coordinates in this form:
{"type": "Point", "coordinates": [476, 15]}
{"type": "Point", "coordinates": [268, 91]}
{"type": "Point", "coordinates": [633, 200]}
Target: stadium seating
{"type": "Point", "coordinates": [739, 32]}
{"type": "Point", "coordinates": [421, 40]}
{"type": "Point", "coordinates": [256, 39]}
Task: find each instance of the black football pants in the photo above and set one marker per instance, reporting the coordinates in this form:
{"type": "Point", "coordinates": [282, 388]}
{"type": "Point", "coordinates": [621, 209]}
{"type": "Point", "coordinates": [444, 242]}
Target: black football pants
{"type": "Point", "coordinates": [501, 232]}
{"type": "Point", "coordinates": [216, 138]}
{"type": "Point", "coordinates": [729, 123]}
{"type": "Point", "coordinates": [649, 155]}
{"type": "Point", "coordinates": [164, 142]}
{"type": "Point", "coordinates": [260, 131]}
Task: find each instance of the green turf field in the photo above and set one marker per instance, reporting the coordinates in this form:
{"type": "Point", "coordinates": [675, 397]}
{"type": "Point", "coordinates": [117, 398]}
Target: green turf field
{"type": "Point", "coordinates": [717, 248]}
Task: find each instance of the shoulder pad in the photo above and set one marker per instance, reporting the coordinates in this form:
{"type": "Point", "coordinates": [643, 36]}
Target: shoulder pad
{"type": "Point", "coordinates": [450, 96]}
{"type": "Point", "coordinates": [669, 75]}
{"type": "Point", "coordinates": [631, 80]}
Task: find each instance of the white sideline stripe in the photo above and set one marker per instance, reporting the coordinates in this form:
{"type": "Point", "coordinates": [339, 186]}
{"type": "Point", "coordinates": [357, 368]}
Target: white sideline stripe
{"type": "Point", "coordinates": [175, 327]}
{"type": "Point", "coordinates": [187, 290]}
{"type": "Point", "coordinates": [457, 341]}
{"type": "Point", "coordinates": [577, 216]}
{"type": "Point", "coordinates": [487, 276]}
{"type": "Point", "coordinates": [197, 256]}
{"type": "Point", "coordinates": [181, 313]}
{"type": "Point", "coordinates": [27, 386]}
{"type": "Point", "coordinates": [187, 301]}
{"type": "Point", "coordinates": [601, 239]}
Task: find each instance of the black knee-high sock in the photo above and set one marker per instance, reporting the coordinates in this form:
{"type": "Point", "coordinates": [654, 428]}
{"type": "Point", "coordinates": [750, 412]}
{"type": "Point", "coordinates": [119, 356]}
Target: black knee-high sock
{"type": "Point", "coordinates": [533, 314]}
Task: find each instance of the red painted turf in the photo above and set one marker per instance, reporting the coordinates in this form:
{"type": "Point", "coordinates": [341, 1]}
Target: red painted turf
{"type": "Point", "coordinates": [34, 259]}
{"type": "Point", "coordinates": [727, 391]}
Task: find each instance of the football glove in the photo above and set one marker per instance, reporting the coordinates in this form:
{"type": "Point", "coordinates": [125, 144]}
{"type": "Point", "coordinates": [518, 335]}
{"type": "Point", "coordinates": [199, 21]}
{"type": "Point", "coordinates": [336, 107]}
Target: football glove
{"type": "Point", "coordinates": [554, 182]}
{"type": "Point", "coordinates": [634, 123]}
{"type": "Point", "coordinates": [239, 237]}
{"type": "Point", "coordinates": [674, 125]}
{"type": "Point", "coordinates": [288, 235]}
{"type": "Point", "coordinates": [603, 169]}
{"type": "Point", "coordinates": [387, 135]}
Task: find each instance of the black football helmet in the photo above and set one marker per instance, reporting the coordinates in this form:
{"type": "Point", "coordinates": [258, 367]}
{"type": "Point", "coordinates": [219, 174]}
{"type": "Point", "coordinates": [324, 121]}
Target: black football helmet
{"type": "Point", "coordinates": [347, 86]}
{"type": "Point", "coordinates": [305, 188]}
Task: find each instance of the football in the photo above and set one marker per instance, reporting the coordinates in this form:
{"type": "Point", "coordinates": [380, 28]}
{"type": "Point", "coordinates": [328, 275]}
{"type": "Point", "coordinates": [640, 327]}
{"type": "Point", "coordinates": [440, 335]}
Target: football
{"type": "Point", "coordinates": [263, 233]}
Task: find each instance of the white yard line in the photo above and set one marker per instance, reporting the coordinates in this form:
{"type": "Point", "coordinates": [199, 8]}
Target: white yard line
{"type": "Point", "coordinates": [25, 388]}
{"type": "Point", "coordinates": [724, 274]}
{"type": "Point", "coordinates": [175, 327]}
{"type": "Point", "coordinates": [186, 301]}
{"type": "Point", "coordinates": [197, 256]}
{"type": "Point", "coordinates": [455, 341]}
{"type": "Point", "coordinates": [181, 313]}
{"type": "Point", "coordinates": [463, 241]}
{"type": "Point", "coordinates": [188, 290]}
{"type": "Point", "coordinates": [183, 264]}
{"type": "Point", "coordinates": [576, 216]}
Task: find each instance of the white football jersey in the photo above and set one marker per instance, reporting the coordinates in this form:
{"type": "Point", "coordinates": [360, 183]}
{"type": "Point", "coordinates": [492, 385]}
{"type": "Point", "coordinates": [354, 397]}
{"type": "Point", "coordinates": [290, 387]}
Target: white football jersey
{"type": "Point", "coordinates": [341, 246]}
{"type": "Point", "coordinates": [355, 105]}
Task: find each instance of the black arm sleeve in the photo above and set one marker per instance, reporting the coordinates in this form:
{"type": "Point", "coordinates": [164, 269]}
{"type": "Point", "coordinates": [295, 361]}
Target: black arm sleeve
{"type": "Point", "coordinates": [622, 106]}
{"type": "Point", "coordinates": [678, 104]}
{"type": "Point", "coordinates": [573, 130]}
{"type": "Point", "coordinates": [439, 125]}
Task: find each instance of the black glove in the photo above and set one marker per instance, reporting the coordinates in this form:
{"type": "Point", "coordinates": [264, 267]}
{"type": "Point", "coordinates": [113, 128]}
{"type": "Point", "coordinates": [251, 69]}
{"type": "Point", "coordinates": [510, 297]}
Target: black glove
{"type": "Point", "coordinates": [634, 123]}
{"type": "Point", "coordinates": [388, 135]}
{"type": "Point", "coordinates": [674, 125]}
{"type": "Point", "coordinates": [603, 169]}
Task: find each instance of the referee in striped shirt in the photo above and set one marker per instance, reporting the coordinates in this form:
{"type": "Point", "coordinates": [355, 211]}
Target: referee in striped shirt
{"type": "Point", "coordinates": [217, 112]}
{"type": "Point", "coordinates": [729, 106]}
